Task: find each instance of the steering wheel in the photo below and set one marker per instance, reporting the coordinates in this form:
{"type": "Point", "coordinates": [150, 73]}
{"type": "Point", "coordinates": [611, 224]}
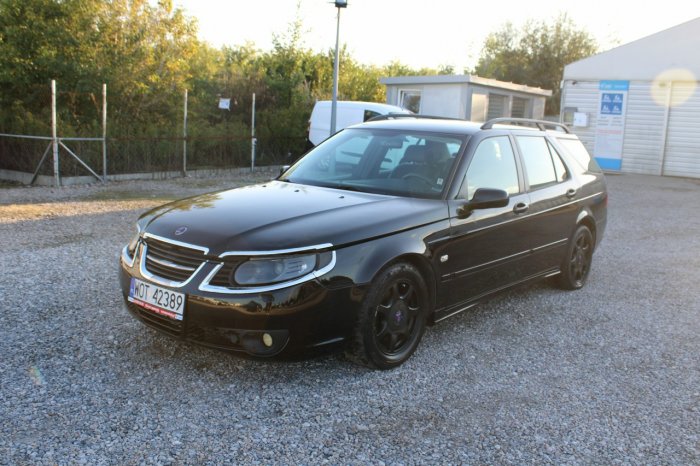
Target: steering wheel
{"type": "Point", "coordinates": [422, 178]}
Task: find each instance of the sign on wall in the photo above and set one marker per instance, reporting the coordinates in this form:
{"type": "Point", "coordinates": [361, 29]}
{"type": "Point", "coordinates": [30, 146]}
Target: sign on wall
{"type": "Point", "coordinates": [610, 127]}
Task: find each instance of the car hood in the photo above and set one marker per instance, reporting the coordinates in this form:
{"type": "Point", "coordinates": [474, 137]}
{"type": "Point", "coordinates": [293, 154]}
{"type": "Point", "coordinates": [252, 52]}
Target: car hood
{"type": "Point", "coordinates": [281, 215]}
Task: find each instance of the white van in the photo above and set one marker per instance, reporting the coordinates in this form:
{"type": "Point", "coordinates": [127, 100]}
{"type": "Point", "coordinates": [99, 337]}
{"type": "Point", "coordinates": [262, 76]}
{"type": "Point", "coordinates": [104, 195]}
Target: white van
{"type": "Point", "coordinates": [347, 113]}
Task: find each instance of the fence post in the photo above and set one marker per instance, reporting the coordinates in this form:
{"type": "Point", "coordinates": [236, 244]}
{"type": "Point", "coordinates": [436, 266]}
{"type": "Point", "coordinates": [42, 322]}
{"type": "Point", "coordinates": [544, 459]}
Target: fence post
{"type": "Point", "coordinates": [252, 137]}
{"type": "Point", "coordinates": [54, 137]}
{"type": "Point", "coordinates": [184, 138]}
{"type": "Point", "coordinates": [104, 133]}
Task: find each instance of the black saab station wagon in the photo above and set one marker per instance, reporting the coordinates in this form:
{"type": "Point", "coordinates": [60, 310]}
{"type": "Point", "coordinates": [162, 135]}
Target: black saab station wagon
{"type": "Point", "coordinates": [382, 229]}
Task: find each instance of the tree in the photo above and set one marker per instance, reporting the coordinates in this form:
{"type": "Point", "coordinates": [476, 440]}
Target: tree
{"type": "Point", "coordinates": [536, 54]}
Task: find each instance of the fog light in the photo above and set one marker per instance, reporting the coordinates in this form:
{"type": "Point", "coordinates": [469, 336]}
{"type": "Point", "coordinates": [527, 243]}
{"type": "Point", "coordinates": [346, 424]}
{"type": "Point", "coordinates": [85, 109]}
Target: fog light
{"type": "Point", "coordinates": [267, 339]}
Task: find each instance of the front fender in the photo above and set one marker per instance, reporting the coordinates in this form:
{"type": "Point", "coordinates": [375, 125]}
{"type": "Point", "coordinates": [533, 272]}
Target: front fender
{"type": "Point", "coordinates": [358, 264]}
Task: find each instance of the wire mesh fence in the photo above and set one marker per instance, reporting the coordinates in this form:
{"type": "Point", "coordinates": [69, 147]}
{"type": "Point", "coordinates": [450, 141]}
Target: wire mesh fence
{"type": "Point", "coordinates": [138, 143]}
{"type": "Point", "coordinates": [149, 154]}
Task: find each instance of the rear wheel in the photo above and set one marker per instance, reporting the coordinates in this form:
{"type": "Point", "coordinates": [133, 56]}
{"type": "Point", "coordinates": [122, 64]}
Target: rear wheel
{"type": "Point", "coordinates": [392, 318]}
{"type": "Point", "coordinates": [577, 264]}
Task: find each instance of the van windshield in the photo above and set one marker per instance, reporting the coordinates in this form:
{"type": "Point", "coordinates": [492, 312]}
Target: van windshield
{"type": "Point", "coordinates": [395, 162]}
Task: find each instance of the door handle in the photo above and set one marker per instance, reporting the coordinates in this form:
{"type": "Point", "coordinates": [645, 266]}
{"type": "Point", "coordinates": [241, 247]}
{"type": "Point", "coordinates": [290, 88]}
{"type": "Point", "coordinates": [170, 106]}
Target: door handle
{"type": "Point", "coordinates": [571, 192]}
{"type": "Point", "coordinates": [520, 207]}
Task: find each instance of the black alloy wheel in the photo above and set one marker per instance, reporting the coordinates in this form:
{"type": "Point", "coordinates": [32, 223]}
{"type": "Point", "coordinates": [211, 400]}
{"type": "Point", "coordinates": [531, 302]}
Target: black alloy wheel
{"type": "Point", "coordinates": [392, 319]}
{"type": "Point", "coordinates": [577, 263]}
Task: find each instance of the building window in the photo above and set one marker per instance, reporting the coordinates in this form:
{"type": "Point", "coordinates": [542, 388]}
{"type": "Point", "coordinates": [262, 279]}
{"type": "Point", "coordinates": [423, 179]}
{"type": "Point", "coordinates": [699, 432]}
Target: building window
{"type": "Point", "coordinates": [498, 106]}
{"type": "Point", "coordinates": [410, 99]}
{"type": "Point", "coordinates": [519, 108]}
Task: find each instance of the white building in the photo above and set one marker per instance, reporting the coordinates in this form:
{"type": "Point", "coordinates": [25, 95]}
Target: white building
{"type": "Point", "coordinates": [467, 97]}
{"type": "Point", "coordinates": [637, 107]}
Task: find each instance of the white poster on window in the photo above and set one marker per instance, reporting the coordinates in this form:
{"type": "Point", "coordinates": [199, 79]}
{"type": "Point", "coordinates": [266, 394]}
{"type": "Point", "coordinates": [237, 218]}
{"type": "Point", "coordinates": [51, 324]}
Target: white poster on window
{"type": "Point", "coordinates": [610, 126]}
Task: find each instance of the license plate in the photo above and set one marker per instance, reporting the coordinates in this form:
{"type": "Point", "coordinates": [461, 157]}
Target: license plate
{"type": "Point", "coordinates": [162, 301]}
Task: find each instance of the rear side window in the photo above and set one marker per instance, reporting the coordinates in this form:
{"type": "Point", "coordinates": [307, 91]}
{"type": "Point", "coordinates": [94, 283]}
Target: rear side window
{"type": "Point", "coordinates": [578, 152]}
{"type": "Point", "coordinates": [369, 114]}
{"type": "Point", "coordinates": [559, 167]}
{"type": "Point", "coordinates": [542, 163]}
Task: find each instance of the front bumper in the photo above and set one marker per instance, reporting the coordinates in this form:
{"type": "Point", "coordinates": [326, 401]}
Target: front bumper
{"type": "Point", "coordinates": [297, 319]}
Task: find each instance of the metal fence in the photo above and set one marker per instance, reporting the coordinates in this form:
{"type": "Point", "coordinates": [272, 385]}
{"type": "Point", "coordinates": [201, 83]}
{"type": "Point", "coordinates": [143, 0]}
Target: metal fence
{"type": "Point", "coordinates": [114, 155]}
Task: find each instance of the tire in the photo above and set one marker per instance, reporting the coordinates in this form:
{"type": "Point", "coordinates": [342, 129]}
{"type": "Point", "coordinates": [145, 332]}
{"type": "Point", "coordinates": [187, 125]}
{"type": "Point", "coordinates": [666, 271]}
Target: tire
{"type": "Point", "coordinates": [576, 265]}
{"type": "Point", "coordinates": [392, 318]}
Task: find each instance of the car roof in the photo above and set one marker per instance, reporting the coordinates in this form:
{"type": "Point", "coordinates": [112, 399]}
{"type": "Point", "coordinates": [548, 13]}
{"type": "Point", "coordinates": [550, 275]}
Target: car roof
{"type": "Point", "coordinates": [424, 124]}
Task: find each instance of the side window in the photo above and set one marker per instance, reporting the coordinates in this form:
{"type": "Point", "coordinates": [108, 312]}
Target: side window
{"type": "Point", "coordinates": [492, 166]}
{"type": "Point", "coordinates": [538, 161]}
{"type": "Point", "coordinates": [370, 114]}
{"type": "Point", "coordinates": [578, 152]}
{"type": "Point", "coordinates": [559, 167]}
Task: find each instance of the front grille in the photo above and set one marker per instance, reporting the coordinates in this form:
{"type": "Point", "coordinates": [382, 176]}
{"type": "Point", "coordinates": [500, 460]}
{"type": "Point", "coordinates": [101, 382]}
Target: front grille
{"type": "Point", "coordinates": [176, 263]}
{"type": "Point", "coordinates": [164, 324]}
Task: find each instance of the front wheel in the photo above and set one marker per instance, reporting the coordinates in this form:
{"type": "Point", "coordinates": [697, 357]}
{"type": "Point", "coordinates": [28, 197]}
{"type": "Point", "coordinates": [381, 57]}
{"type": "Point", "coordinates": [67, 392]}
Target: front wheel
{"type": "Point", "coordinates": [577, 264]}
{"type": "Point", "coordinates": [392, 318]}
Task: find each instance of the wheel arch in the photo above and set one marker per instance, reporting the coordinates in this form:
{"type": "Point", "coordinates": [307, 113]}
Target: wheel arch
{"type": "Point", "coordinates": [424, 267]}
{"type": "Point", "coordinates": [586, 219]}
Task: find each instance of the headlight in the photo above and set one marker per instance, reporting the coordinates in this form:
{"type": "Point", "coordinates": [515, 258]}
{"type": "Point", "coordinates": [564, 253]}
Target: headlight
{"type": "Point", "coordinates": [274, 270]}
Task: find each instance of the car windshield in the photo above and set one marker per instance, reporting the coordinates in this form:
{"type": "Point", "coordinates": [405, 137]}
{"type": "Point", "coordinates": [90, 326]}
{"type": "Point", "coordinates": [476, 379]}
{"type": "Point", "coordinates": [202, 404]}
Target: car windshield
{"type": "Point", "coordinates": [395, 162]}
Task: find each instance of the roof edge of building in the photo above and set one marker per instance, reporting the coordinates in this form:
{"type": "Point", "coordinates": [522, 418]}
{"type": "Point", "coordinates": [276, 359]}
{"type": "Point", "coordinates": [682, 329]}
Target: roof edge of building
{"type": "Point", "coordinates": [464, 79]}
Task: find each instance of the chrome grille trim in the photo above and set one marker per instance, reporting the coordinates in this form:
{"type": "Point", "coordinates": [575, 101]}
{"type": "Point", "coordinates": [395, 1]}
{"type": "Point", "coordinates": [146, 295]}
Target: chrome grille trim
{"type": "Point", "coordinates": [129, 261]}
{"type": "Point", "coordinates": [160, 280]}
{"type": "Point", "coordinates": [177, 243]}
{"type": "Point", "coordinates": [190, 270]}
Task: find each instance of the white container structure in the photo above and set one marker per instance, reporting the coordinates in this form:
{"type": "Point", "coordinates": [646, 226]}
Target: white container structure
{"type": "Point", "coordinates": [637, 107]}
{"type": "Point", "coordinates": [466, 97]}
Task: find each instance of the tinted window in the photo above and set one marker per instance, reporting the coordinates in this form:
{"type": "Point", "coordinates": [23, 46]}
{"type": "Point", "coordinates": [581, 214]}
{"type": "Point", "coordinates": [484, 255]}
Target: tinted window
{"type": "Point", "coordinates": [492, 166]}
{"type": "Point", "coordinates": [538, 161]}
{"type": "Point", "coordinates": [559, 167]}
{"type": "Point", "coordinates": [370, 114]}
{"type": "Point", "coordinates": [579, 153]}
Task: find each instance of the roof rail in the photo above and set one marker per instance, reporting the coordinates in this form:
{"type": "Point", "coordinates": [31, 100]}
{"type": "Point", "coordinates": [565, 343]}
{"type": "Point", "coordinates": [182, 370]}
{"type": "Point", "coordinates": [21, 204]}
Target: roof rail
{"type": "Point", "coordinates": [396, 116]}
{"type": "Point", "coordinates": [540, 124]}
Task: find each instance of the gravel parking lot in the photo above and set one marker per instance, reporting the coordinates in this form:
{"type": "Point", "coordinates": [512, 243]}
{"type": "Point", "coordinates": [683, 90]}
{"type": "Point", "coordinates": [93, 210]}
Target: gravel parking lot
{"type": "Point", "coordinates": [607, 375]}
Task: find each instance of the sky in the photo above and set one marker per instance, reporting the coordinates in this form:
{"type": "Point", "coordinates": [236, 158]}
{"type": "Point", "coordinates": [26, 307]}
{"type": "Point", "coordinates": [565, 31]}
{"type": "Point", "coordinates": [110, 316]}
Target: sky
{"type": "Point", "coordinates": [424, 33]}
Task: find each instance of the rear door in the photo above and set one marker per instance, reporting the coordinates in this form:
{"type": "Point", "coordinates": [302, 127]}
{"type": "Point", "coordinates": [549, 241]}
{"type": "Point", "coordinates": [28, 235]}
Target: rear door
{"type": "Point", "coordinates": [553, 209]}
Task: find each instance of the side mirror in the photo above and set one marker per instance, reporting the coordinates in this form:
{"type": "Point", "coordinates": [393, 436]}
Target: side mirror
{"type": "Point", "coordinates": [487, 198]}
{"type": "Point", "coordinates": [484, 198]}
{"type": "Point", "coordinates": [283, 169]}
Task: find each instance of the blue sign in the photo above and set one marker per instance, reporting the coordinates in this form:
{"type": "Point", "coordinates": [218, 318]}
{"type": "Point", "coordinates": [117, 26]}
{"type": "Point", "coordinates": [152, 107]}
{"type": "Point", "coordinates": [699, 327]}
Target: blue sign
{"type": "Point", "coordinates": [614, 86]}
{"type": "Point", "coordinates": [611, 103]}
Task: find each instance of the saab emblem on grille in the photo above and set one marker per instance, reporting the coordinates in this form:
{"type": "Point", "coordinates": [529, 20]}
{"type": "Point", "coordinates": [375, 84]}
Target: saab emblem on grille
{"type": "Point", "coordinates": [180, 231]}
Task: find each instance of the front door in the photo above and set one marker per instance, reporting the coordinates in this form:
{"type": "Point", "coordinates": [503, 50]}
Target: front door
{"type": "Point", "coordinates": [487, 246]}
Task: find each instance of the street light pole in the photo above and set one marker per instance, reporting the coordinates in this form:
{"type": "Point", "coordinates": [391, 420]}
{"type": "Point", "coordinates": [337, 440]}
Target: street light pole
{"type": "Point", "coordinates": [334, 103]}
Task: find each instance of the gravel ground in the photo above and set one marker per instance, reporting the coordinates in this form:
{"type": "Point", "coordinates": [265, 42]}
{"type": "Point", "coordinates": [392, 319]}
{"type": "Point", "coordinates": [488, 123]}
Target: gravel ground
{"type": "Point", "coordinates": [606, 375]}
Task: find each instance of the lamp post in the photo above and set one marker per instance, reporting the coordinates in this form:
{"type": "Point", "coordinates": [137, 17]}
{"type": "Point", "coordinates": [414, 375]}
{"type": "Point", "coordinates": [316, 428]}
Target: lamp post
{"type": "Point", "coordinates": [334, 103]}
